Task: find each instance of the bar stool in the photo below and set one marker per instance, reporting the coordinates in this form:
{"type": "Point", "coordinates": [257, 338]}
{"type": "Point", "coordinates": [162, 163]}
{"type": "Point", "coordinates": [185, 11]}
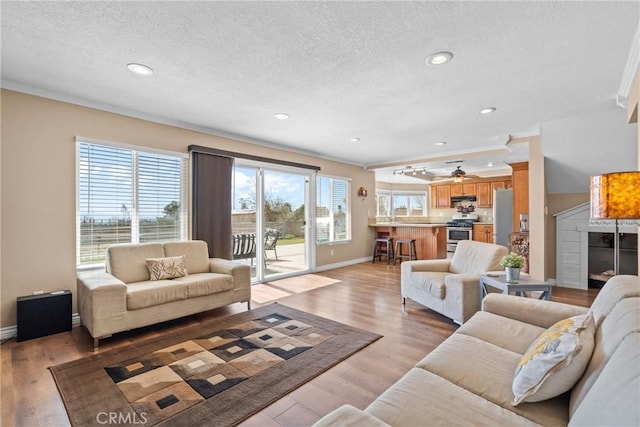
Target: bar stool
{"type": "Point", "coordinates": [383, 247]}
{"type": "Point", "coordinates": [411, 246]}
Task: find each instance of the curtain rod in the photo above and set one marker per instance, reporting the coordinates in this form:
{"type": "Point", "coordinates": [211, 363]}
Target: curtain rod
{"type": "Point", "coordinates": [233, 154]}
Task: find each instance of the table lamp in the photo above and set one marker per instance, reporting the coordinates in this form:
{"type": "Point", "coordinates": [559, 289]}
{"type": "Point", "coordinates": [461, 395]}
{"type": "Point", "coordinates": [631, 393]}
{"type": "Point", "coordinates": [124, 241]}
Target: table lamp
{"type": "Point", "coordinates": [616, 196]}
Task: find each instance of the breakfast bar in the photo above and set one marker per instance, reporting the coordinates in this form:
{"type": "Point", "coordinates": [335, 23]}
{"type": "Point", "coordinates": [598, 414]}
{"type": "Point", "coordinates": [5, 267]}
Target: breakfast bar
{"type": "Point", "coordinates": [431, 239]}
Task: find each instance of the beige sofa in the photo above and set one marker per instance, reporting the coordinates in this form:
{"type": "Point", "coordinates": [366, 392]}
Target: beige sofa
{"type": "Point", "coordinates": [450, 286]}
{"type": "Point", "coordinates": [123, 297]}
{"type": "Point", "coordinates": [466, 381]}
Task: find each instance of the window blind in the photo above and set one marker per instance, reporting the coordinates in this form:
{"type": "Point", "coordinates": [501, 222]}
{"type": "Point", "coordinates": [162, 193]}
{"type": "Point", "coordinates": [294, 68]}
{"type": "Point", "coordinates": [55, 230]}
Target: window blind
{"type": "Point", "coordinates": [126, 196]}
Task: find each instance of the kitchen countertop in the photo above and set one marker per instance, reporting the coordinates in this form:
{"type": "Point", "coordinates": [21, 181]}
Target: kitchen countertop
{"type": "Point", "coordinates": [407, 224]}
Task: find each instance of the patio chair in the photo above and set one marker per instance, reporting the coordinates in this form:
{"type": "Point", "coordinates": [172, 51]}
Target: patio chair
{"type": "Point", "coordinates": [270, 240]}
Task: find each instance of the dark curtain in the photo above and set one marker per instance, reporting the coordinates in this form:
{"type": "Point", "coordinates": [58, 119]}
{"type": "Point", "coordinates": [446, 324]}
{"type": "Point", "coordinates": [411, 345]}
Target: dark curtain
{"type": "Point", "coordinates": [211, 202]}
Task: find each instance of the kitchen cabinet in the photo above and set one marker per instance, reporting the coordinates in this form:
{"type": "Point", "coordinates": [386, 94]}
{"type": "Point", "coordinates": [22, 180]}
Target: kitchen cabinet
{"type": "Point", "coordinates": [469, 189]}
{"type": "Point", "coordinates": [482, 188]}
{"type": "Point", "coordinates": [483, 233]}
{"type": "Point", "coordinates": [458, 190]}
{"type": "Point", "coordinates": [443, 196]}
{"type": "Point", "coordinates": [520, 179]}
{"type": "Point", "coordinates": [485, 194]}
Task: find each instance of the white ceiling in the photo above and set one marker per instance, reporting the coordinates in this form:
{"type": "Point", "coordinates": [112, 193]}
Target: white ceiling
{"type": "Point", "coordinates": [341, 70]}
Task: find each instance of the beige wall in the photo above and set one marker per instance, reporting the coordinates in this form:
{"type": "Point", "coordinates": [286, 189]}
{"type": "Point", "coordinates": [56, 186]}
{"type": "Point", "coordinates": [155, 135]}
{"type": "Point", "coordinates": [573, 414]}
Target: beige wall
{"type": "Point", "coordinates": [557, 203]}
{"type": "Point", "coordinates": [38, 222]}
{"type": "Point", "coordinates": [633, 109]}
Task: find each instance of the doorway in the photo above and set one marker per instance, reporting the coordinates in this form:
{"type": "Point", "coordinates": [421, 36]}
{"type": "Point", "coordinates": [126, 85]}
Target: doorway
{"type": "Point", "coordinates": [270, 220]}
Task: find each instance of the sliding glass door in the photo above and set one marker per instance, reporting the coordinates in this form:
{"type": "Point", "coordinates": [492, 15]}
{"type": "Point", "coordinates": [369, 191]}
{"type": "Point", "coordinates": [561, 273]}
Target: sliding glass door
{"type": "Point", "coordinates": [269, 220]}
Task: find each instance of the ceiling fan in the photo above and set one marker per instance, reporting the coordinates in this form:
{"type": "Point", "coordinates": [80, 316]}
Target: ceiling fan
{"type": "Point", "coordinates": [457, 176]}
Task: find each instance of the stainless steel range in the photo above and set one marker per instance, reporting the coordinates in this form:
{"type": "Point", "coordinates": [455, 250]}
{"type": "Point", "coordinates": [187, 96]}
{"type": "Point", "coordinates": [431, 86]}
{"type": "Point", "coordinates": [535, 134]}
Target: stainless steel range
{"type": "Point", "coordinates": [459, 228]}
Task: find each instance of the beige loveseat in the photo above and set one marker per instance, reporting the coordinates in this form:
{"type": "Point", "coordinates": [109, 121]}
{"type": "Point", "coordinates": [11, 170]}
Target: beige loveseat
{"type": "Point", "coordinates": [450, 286]}
{"type": "Point", "coordinates": [467, 380]}
{"type": "Point", "coordinates": [123, 297]}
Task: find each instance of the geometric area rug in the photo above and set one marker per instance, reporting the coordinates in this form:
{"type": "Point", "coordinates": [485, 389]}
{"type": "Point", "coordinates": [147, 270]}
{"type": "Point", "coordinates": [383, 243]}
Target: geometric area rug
{"type": "Point", "coordinates": [217, 373]}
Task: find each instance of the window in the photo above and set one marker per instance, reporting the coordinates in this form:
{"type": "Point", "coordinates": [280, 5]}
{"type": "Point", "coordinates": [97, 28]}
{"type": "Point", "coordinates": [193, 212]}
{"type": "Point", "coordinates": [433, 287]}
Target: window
{"type": "Point", "coordinates": [401, 204]}
{"type": "Point", "coordinates": [383, 203]}
{"type": "Point", "coordinates": [127, 196]}
{"type": "Point", "coordinates": [333, 217]}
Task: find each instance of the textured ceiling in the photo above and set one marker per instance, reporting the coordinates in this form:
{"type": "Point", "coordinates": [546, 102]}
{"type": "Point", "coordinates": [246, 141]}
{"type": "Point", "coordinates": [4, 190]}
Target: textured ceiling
{"type": "Point", "coordinates": [341, 70]}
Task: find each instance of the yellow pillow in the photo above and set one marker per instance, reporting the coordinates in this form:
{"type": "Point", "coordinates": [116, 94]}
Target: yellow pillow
{"type": "Point", "coordinates": [555, 361]}
{"type": "Point", "coordinates": [166, 268]}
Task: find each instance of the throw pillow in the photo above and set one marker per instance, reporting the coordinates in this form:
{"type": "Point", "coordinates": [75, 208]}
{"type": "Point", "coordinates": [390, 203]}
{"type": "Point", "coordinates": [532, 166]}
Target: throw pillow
{"type": "Point", "coordinates": [555, 361]}
{"type": "Point", "coordinates": [166, 268]}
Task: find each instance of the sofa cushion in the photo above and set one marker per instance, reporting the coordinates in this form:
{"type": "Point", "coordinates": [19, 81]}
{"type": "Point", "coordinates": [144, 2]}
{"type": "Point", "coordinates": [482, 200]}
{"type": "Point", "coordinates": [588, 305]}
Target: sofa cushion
{"type": "Point", "coordinates": [555, 361]}
{"type": "Point", "coordinates": [487, 371]}
{"type": "Point", "coordinates": [422, 398]}
{"type": "Point", "coordinates": [196, 254]}
{"type": "Point", "coordinates": [166, 268]}
{"type": "Point", "coordinates": [128, 262]}
{"type": "Point", "coordinates": [430, 282]}
{"type": "Point", "coordinates": [507, 333]}
{"type": "Point", "coordinates": [151, 293]}
{"type": "Point", "coordinates": [476, 257]}
{"type": "Point", "coordinates": [206, 284]}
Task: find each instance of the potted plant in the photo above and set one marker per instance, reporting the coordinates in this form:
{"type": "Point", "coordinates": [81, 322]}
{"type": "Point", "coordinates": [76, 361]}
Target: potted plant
{"type": "Point", "coordinates": [512, 264]}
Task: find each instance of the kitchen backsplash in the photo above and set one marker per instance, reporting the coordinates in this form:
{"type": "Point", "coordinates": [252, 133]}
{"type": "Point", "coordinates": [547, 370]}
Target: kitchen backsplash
{"type": "Point", "coordinates": [439, 215]}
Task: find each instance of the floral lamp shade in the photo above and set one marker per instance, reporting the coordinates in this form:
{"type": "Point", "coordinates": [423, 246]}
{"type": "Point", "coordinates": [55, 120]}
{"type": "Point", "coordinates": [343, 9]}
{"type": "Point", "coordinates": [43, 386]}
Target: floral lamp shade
{"type": "Point", "coordinates": [616, 195]}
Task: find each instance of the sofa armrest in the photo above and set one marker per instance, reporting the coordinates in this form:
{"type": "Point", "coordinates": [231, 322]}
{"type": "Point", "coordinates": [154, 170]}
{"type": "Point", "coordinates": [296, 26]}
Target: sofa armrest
{"type": "Point", "coordinates": [102, 303]}
{"type": "Point", "coordinates": [537, 312]}
{"type": "Point", "coordinates": [462, 295]}
{"type": "Point", "coordinates": [349, 416]}
{"type": "Point", "coordinates": [441, 265]}
{"type": "Point", "coordinates": [241, 272]}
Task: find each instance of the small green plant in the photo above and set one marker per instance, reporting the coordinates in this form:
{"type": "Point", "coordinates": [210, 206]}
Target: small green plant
{"type": "Point", "coordinates": [513, 260]}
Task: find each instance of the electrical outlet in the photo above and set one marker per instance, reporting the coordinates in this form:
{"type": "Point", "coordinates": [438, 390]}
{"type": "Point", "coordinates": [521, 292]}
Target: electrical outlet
{"type": "Point", "coordinates": [38, 292]}
{"type": "Point", "coordinates": [331, 252]}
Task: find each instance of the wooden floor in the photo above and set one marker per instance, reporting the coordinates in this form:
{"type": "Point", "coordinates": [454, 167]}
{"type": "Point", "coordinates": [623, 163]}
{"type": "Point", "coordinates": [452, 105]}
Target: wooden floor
{"type": "Point", "coordinates": [365, 295]}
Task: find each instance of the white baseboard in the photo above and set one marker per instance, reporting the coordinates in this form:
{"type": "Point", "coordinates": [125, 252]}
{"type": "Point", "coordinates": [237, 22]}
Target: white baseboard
{"type": "Point", "coordinates": [342, 264]}
{"type": "Point", "coordinates": [12, 331]}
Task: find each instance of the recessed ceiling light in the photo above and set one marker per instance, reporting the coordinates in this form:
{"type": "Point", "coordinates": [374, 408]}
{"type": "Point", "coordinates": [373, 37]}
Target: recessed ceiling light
{"type": "Point", "coordinates": [490, 164]}
{"type": "Point", "coordinates": [439, 58]}
{"type": "Point", "coordinates": [140, 69]}
{"type": "Point", "coordinates": [440, 143]}
{"type": "Point", "coordinates": [281, 116]}
{"type": "Point", "coordinates": [354, 139]}
{"type": "Point", "coordinates": [487, 110]}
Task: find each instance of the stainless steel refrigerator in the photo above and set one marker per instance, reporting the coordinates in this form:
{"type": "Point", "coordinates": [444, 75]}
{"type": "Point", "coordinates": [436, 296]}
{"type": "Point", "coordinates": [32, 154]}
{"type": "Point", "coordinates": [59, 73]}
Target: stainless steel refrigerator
{"type": "Point", "coordinates": [502, 215]}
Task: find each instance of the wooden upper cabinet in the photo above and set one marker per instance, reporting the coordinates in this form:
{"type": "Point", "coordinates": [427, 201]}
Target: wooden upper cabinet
{"type": "Point", "coordinates": [485, 194]}
{"type": "Point", "coordinates": [463, 190]}
{"type": "Point", "coordinates": [443, 196]}
{"type": "Point", "coordinates": [469, 189]}
{"type": "Point", "coordinates": [498, 184]}
{"type": "Point", "coordinates": [482, 188]}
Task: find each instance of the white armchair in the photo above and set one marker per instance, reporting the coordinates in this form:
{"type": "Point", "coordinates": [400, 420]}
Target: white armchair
{"type": "Point", "coordinates": [451, 286]}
